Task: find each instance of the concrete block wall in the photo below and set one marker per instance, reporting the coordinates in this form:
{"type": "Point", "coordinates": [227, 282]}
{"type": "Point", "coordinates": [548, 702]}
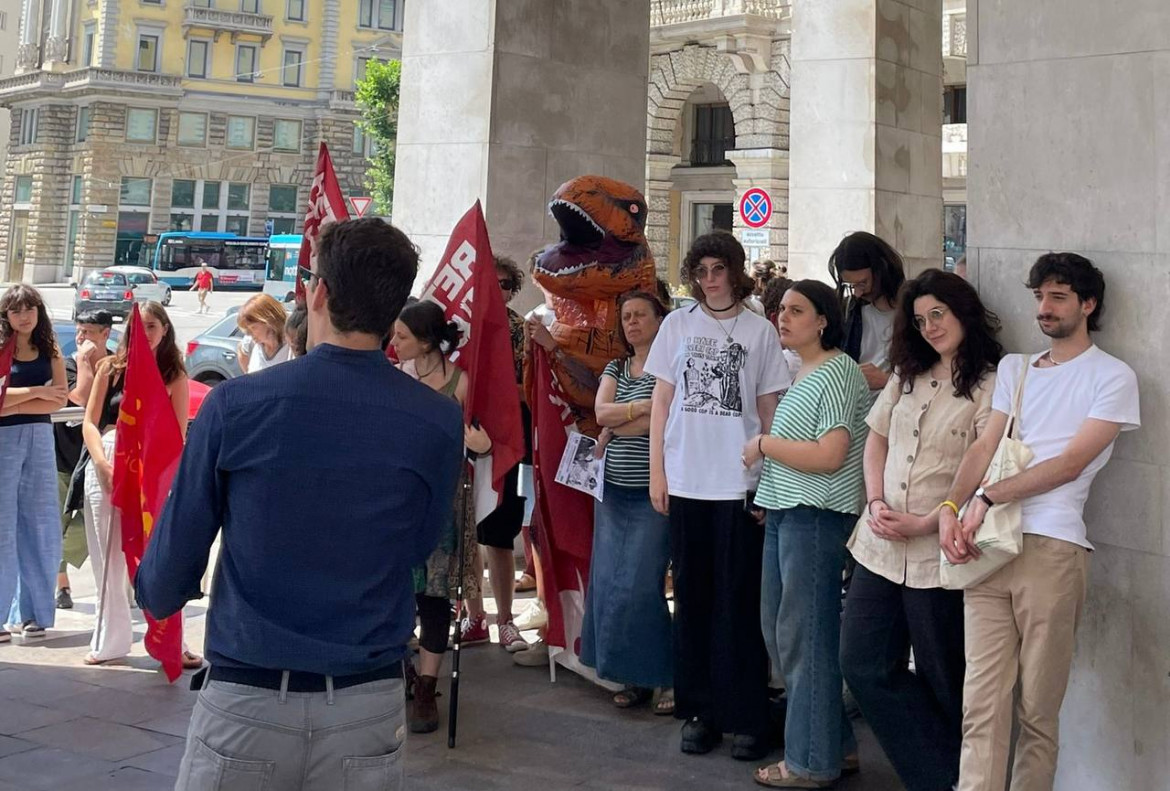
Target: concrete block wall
{"type": "Point", "coordinates": [1070, 150]}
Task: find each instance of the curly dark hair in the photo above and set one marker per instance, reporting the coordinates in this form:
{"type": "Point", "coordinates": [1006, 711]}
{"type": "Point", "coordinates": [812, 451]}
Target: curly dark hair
{"type": "Point", "coordinates": [1076, 272]}
{"type": "Point", "coordinates": [772, 296]}
{"type": "Point", "coordinates": [978, 354]}
{"type": "Point", "coordinates": [368, 266]}
{"type": "Point", "coordinates": [725, 247]}
{"type": "Point", "coordinates": [508, 271]}
{"type": "Point", "coordinates": [861, 250]}
{"type": "Point", "coordinates": [660, 310]}
{"type": "Point", "coordinates": [167, 355]}
{"type": "Point", "coordinates": [826, 303]}
{"type": "Point", "coordinates": [22, 297]}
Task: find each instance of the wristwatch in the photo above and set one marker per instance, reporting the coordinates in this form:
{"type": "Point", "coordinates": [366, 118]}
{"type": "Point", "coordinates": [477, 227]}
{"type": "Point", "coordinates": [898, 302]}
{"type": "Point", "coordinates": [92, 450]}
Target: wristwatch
{"type": "Point", "coordinates": [981, 493]}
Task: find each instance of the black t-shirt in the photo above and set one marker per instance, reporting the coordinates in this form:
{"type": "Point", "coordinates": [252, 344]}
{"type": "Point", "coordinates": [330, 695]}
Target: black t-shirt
{"type": "Point", "coordinates": [69, 441]}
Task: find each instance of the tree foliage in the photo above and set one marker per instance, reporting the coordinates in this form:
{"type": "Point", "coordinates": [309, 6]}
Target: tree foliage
{"type": "Point", "coordinates": [377, 98]}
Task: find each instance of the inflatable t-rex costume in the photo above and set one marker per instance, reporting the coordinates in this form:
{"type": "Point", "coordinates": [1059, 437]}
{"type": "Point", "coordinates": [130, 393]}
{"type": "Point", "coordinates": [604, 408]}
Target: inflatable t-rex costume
{"type": "Point", "coordinates": [601, 255]}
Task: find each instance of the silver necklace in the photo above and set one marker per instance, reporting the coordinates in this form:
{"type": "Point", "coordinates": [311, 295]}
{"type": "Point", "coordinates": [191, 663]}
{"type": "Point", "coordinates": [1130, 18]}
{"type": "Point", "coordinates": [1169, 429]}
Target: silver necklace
{"type": "Point", "coordinates": [719, 323]}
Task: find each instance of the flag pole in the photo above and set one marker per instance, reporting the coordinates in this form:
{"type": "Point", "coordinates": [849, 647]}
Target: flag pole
{"type": "Point", "coordinates": [457, 640]}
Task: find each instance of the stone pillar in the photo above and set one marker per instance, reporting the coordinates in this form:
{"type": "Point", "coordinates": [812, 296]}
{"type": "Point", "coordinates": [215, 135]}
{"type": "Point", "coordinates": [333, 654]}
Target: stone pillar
{"type": "Point", "coordinates": [504, 102]}
{"type": "Point", "coordinates": [28, 53]}
{"type": "Point", "coordinates": [1087, 169]}
{"type": "Point", "coordinates": [57, 43]}
{"type": "Point", "coordinates": [866, 129]}
{"type": "Point", "coordinates": [766, 169]}
{"type": "Point", "coordinates": [659, 211]}
{"type": "Point", "coordinates": [51, 171]}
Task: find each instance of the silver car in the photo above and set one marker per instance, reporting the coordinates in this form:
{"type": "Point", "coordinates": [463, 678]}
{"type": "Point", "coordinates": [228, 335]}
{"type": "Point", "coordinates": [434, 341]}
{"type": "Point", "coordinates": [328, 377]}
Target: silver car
{"type": "Point", "coordinates": [145, 284]}
{"type": "Point", "coordinates": [104, 290]}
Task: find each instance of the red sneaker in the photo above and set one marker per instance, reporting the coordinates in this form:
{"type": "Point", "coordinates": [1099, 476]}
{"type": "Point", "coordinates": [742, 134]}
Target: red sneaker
{"type": "Point", "coordinates": [474, 632]}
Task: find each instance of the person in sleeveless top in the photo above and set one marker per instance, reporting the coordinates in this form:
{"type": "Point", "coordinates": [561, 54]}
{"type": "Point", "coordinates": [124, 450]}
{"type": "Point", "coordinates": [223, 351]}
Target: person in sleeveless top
{"type": "Point", "coordinates": [423, 338]}
{"type": "Point", "coordinates": [102, 521]}
{"type": "Point", "coordinates": [30, 526]}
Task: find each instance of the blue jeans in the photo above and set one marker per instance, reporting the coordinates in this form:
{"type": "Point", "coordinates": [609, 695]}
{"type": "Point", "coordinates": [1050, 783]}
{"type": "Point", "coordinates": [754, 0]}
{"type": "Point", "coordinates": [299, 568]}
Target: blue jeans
{"type": "Point", "coordinates": [800, 614]}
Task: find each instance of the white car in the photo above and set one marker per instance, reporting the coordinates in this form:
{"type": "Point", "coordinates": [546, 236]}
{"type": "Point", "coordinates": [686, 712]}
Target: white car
{"type": "Point", "coordinates": [145, 284]}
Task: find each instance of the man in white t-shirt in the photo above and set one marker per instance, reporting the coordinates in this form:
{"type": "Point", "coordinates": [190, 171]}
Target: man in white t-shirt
{"type": "Point", "coordinates": [871, 271]}
{"type": "Point", "coordinates": [1021, 621]}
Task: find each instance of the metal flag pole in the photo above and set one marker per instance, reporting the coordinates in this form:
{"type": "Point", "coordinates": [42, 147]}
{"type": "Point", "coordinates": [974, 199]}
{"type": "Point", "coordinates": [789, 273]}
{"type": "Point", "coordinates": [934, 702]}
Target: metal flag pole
{"type": "Point", "coordinates": [456, 643]}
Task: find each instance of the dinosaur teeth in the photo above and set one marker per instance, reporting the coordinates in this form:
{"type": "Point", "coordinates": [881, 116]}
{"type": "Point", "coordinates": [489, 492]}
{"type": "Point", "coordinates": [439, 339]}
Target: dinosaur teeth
{"type": "Point", "coordinates": [578, 210]}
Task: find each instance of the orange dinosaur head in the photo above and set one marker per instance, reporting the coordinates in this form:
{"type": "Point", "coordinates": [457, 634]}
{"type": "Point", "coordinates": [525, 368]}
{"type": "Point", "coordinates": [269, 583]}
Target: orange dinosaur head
{"type": "Point", "coordinates": [603, 250]}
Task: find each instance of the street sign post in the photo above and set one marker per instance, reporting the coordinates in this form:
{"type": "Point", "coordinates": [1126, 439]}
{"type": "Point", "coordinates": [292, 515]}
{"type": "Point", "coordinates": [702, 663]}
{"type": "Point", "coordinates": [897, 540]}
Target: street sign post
{"type": "Point", "coordinates": [360, 205]}
{"type": "Point", "coordinates": [755, 208]}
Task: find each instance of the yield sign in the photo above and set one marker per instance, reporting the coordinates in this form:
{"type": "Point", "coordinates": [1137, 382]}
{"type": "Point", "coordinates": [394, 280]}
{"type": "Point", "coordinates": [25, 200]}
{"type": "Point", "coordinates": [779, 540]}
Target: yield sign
{"type": "Point", "coordinates": [755, 208]}
{"type": "Point", "coordinates": [360, 205]}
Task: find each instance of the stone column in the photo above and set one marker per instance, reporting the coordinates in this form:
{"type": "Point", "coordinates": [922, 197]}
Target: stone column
{"type": "Point", "coordinates": [866, 129]}
{"type": "Point", "coordinates": [48, 220]}
{"type": "Point", "coordinates": [766, 169]}
{"type": "Point", "coordinates": [28, 53]}
{"type": "Point", "coordinates": [57, 43]}
{"type": "Point", "coordinates": [504, 102]}
{"type": "Point", "coordinates": [659, 213]}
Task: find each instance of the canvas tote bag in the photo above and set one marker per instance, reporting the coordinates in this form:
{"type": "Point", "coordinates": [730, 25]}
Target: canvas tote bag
{"type": "Point", "coordinates": [1000, 538]}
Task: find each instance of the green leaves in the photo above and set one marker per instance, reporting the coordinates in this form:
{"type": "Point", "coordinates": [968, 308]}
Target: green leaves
{"type": "Point", "coordinates": [377, 98]}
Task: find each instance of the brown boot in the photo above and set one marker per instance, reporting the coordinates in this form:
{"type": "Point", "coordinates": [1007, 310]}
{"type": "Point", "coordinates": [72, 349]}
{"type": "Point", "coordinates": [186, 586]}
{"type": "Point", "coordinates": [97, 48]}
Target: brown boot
{"type": "Point", "coordinates": [424, 714]}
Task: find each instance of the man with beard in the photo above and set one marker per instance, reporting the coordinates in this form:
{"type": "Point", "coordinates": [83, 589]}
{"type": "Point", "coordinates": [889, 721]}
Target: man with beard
{"type": "Point", "coordinates": [1021, 621]}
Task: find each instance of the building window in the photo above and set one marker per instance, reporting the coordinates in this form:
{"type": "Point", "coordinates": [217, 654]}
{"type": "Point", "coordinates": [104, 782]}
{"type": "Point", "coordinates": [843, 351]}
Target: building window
{"type": "Point", "coordinates": [3, 20]}
{"type": "Point", "coordinates": [245, 63]}
{"type": "Point", "coordinates": [955, 104]}
{"type": "Point", "coordinates": [210, 195]}
{"type": "Point", "coordinates": [183, 197]}
{"type": "Point", "coordinates": [135, 192]}
{"type": "Point", "coordinates": [28, 126]}
{"type": "Point", "coordinates": [291, 76]}
{"type": "Point", "coordinates": [362, 143]}
{"type": "Point", "coordinates": [241, 132]}
{"type": "Point", "coordinates": [82, 124]}
{"type": "Point", "coordinates": [87, 39]}
{"type": "Point", "coordinates": [237, 196]}
{"type": "Point", "coordinates": [197, 58]}
{"type": "Point", "coordinates": [378, 14]}
{"type": "Point", "coordinates": [714, 135]}
{"type": "Point", "coordinates": [151, 2]}
{"type": "Point", "coordinates": [23, 189]}
{"type": "Point", "coordinates": [75, 190]}
{"type": "Point", "coordinates": [203, 4]}
{"type": "Point", "coordinates": [141, 125]}
{"type": "Point", "coordinates": [282, 208]}
{"type": "Point", "coordinates": [71, 238]}
{"type": "Point", "coordinates": [286, 135]}
{"type": "Point", "coordinates": [359, 71]}
{"type": "Point", "coordinates": [192, 129]}
{"type": "Point", "coordinates": [250, 6]}
{"type": "Point", "coordinates": [147, 52]}
{"type": "Point", "coordinates": [295, 10]}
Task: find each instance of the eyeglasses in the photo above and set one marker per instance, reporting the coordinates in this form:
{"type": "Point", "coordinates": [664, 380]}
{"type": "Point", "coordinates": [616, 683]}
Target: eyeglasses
{"type": "Point", "coordinates": [701, 272]}
{"type": "Point", "coordinates": [933, 316]}
{"type": "Point", "coordinates": [307, 274]}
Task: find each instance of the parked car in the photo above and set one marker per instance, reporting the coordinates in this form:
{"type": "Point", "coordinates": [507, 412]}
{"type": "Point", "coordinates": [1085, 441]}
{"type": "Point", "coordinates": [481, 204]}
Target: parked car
{"type": "Point", "coordinates": [212, 355]}
{"type": "Point", "coordinates": [145, 284]}
{"type": "Point", "coordinates": [107, 290]}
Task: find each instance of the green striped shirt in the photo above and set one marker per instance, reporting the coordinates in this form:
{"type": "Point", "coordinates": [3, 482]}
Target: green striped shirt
{"type": "Point", "coordinates": [833, 396]}
{"type": "Point", "coordinates": [627, 459]}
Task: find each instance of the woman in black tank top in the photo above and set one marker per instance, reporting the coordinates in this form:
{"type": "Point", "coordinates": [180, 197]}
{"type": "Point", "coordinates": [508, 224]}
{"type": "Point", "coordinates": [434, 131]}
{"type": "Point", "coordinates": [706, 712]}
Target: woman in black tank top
{"type": "Point", "coordinates": [28, 464]}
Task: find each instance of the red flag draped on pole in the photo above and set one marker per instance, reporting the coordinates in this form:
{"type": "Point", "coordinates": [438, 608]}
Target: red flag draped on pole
{"type": "Point", "coordinates": [326, 205]}
{"type": "Point", "coordinates": [562, 524]}
{"type": "Point", "coordinates": [7, 351]}
{"type": "Point", "coordinates": [148, 446]}
{"type": "Point", "coordinates": [466, 286]}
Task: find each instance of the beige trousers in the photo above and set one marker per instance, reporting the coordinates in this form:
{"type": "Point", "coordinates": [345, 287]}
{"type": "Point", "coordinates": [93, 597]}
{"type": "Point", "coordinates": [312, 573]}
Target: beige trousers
{"type": "Point", "coordinates": [1020, 626]}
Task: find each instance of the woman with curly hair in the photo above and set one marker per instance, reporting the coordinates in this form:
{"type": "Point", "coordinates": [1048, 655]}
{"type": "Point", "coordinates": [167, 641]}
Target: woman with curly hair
{"type": "Point", "coordinates": [102, 521]}
{"type": "Point", "coordinates": [944, 353]}
{"type": "Point", "coordinates": [30, 521]}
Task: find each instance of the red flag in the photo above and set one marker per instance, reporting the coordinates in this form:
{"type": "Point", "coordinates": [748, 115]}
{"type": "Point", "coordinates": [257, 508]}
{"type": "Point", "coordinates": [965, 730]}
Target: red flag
{"type": "Point", "coordinates": [565, 543]}
{"type": "Point", "coordinates": [466, 287]}
{"type": "Point", "coordinates": [148, 446]}
{"type": "Point", "coordinates": [326, 205]}
{"type": "Point", "coordinates": [7, 351]}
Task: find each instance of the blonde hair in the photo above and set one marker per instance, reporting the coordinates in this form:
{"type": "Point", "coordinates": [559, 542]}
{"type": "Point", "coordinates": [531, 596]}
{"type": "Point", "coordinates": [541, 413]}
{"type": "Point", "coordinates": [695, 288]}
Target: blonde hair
{"type": "Point", "coordinates": [266, 310]}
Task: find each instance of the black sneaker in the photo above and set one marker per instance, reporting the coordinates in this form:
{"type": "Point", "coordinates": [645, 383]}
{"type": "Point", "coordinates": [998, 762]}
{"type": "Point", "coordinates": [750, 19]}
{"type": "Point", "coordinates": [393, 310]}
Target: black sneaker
{"type": "Point", "coordinates": [32, 630]}
{"type": "Point", "coordinates": [64, 600]}
{"type": "Point", "coordinates": [745, 747]}
{"type": "Point", "coordinates": [698, 737]}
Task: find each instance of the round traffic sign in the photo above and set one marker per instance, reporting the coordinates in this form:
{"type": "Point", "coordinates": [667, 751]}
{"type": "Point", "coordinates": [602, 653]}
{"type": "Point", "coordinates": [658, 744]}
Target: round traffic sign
{"type": "Point", "coordinates": [755, 207]}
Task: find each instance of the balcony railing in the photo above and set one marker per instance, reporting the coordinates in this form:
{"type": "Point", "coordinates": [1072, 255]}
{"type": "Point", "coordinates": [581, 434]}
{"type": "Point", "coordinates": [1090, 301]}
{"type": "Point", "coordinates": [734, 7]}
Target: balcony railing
{"type": "Point", "coordinates": [711, 151]}
{"type": "Point", "coordinates": [674, 12]}
{"type": "Point", "coordinates": [954, 36]}
{"type": "Point", "coordinates": [111, 80]}
{"type": "Point", "coordinates": [232, 22]}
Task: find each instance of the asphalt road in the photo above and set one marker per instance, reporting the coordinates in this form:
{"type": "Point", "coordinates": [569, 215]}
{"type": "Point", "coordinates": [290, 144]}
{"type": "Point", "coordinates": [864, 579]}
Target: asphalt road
{"type": "Point", "coordinates": [184, 304]}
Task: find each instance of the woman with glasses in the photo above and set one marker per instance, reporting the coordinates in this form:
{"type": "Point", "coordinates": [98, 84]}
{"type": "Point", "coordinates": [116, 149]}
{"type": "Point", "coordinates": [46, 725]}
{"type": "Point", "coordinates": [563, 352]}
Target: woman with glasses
{"type": "Point", "coordinates": [944, 352]}
{"type": "Point", "coordinates": [719, 372]}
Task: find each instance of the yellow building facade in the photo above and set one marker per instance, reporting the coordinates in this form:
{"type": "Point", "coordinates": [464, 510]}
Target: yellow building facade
{"type": "Point", "coordinates": [134, 117]}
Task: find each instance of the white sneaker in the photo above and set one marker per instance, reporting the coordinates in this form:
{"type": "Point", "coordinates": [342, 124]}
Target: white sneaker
{"type": "Point", "coordinates": [534, 617]}
{"type": "Point", "coordinates": [535, 656]}
{"type": "Point", "coordinates": [510, 639]}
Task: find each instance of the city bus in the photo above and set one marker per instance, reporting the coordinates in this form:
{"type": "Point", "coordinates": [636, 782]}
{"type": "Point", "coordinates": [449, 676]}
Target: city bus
{"type": "Point", "coordinates": [235, 261]}
{"type": "Point", "coordinates": [280, 279]}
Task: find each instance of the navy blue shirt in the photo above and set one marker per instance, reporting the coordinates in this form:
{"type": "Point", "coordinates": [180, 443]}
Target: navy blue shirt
{"type": "Point", "coordinates": [330, 476]}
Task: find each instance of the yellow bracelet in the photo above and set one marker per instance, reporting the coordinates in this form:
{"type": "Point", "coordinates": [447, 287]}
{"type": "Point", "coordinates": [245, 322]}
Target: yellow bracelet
{"type": "Point", "coordinates": [951, 505]}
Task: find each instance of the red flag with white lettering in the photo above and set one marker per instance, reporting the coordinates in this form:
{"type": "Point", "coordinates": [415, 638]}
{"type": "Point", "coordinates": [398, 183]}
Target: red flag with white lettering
{"type": "Point", "coordinates": [7, 351]}
{"type": "Point", "coordinates": [466, 287]}
{"type": "Point", "coordinates": [326, 205]}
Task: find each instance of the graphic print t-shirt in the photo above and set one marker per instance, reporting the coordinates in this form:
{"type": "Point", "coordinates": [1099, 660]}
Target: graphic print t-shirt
{"type": "Point", "coordinates": [718, 368]}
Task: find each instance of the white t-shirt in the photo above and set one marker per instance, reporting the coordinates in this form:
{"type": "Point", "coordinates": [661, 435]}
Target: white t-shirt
{"type": "Point", "coordinates": [877, 327]}
{"type": "Point", "coordinates": [718, 369]}
{"type": "Point", "coordinates": [257, 361]}
{"type": "Point", "coordinates": [1056, 401]}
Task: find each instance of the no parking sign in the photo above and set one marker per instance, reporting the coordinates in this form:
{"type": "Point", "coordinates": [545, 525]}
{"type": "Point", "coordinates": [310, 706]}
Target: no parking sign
{"type": "Point", "coordinates": [755, 208]}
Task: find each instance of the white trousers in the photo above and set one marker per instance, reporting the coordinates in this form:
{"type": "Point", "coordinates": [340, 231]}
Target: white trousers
{"type": "Point", "coordinates": [103, 534]}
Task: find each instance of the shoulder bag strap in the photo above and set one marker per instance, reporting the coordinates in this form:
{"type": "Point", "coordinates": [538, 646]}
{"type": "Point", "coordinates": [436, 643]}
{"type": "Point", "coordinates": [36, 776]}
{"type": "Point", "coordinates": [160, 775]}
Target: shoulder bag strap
{"type": "Point", "coordinates": [1013, 422]}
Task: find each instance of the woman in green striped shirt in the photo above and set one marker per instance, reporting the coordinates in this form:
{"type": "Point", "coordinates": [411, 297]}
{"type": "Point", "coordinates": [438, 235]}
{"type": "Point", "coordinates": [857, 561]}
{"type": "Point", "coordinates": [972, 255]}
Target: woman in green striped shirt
{"type": "Point", "coordinates": [812, 488]}
{"type": "Point", "coordinates": [626, 633]}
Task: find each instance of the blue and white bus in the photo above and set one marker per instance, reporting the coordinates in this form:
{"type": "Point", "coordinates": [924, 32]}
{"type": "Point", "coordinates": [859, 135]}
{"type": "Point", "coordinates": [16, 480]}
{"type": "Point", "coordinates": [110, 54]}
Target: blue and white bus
{"type": "Point", "coordinates": [235, 261]}
{"type": "Point", "coordinates": [281, 278]}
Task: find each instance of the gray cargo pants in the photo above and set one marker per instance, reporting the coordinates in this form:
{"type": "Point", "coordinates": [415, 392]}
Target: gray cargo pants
{"type": "Point", "coordinates": [245, 738]}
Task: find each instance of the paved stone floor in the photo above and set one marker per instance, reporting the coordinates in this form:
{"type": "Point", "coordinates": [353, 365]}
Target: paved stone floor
{"type": "Point", "coordinates": [67, 727]}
